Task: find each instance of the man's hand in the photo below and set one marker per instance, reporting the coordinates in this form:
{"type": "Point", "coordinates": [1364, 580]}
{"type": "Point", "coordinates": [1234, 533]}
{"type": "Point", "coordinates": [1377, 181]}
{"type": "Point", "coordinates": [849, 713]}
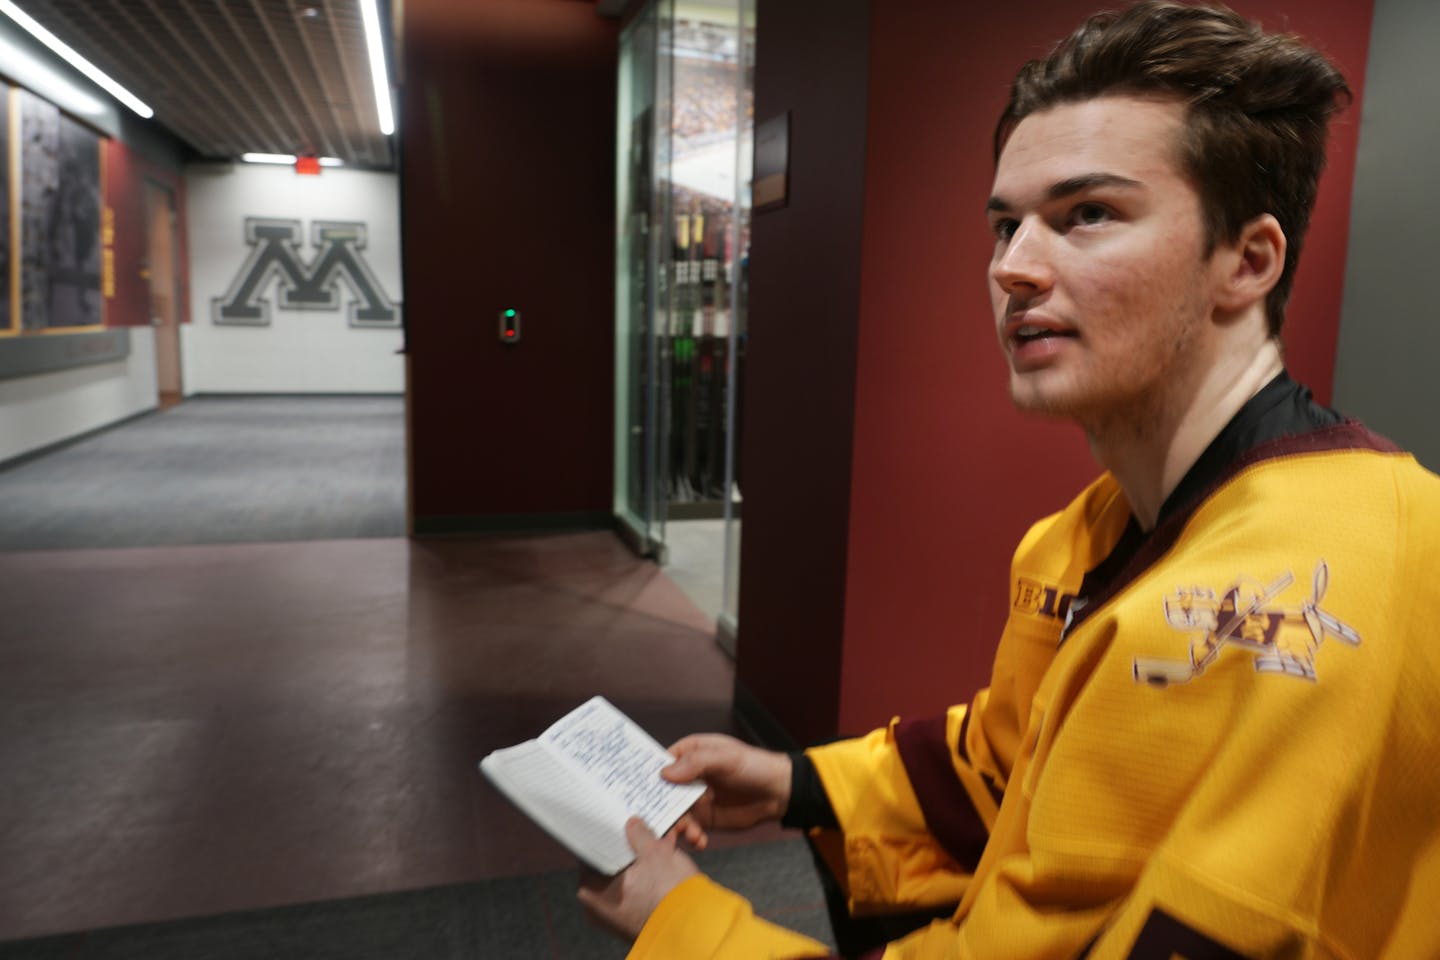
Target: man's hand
{"type": "Point", "coordinates": [746, 785]}
{"type": "Point", "coordinates": [625, 901]}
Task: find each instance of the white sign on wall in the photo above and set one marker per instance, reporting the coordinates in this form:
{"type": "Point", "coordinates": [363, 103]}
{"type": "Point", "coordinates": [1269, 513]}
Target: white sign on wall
{"type": "Point", "coordinates": [295, 281]}
{"type": "Point", "coordinates": [305, 284]}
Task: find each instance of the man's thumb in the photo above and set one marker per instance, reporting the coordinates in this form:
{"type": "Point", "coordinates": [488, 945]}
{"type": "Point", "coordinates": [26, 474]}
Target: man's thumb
{"type": "Point", "coordinates": [641, 837]}
{"type": "Point", "coordinates": [679, 771]}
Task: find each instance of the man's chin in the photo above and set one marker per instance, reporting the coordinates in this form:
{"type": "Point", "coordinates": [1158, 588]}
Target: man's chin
{"type": "Point", "coordinates": [1032, 398]}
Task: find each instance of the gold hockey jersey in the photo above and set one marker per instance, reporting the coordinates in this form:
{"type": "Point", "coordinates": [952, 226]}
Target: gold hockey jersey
{"type": "Point", "coordinates": [1233, 752]}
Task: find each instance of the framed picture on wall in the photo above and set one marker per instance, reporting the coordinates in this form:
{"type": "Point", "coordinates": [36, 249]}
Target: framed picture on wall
{"type": "Point", "coordinates": [59, 219]}
{"type": "Point", "coordinates": [7, 307]}
{"type": "Point", "coordinates": [771, 187]}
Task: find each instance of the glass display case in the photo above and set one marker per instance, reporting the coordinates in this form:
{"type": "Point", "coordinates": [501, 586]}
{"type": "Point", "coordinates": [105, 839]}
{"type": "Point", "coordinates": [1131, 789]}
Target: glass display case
{"type": "Point", "coordinates": [642, 98]}
{"type": "Point", "coordinates": [685, 129]}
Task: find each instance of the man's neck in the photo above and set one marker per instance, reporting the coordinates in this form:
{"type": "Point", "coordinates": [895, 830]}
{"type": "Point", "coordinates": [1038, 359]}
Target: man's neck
{"type": "Point", "coordinates": [1150, 453]}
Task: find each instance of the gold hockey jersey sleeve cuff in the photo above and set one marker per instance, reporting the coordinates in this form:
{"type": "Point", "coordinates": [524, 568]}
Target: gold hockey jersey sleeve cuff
{"type": "Point", "coordinates": [701, 919]}
{"type": "Point", "coordinates": [885, 857]}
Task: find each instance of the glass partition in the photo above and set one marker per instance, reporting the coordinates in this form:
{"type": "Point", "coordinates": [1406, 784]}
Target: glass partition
{"type": "Point", "coordinates": [684, 136]}
{"type": "Point", "coordinates": [708, 79]}
{"type": "Point", "coordinates": [642, 144]}
{"type": "Point", "coordinates": [738, 270]}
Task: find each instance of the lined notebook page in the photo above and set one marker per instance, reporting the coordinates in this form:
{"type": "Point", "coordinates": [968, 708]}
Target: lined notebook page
{"type": "Point", "coordinates": [551, 792]}
{"type": "Point", "coordinates": [624, 760]}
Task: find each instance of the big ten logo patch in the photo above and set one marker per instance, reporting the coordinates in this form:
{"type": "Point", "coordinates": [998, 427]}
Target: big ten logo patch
{"type": "Point", "coordinates": [1042, 599]}
{"type": "Point", "coordinates": [275, 257]}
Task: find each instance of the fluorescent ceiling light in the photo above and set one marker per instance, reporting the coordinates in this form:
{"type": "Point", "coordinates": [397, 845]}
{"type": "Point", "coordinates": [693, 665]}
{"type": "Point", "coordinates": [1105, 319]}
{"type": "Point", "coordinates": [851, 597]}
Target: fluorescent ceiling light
{"type": "Point", "coordinates": [64, 52]}
{"type": "Point", "coordinates": [287, 158]}
{"type": "Point", "coordinates": [371, 17]}
{"type": "Point", "coordinates": [41, 74]}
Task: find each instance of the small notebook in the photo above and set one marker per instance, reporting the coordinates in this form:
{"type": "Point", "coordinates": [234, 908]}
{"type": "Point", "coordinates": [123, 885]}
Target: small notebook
{"type": "Point", "coordinates": [585, 776]}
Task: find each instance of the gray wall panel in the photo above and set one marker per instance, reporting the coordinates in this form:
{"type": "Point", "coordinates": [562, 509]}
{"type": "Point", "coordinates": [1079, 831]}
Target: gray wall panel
{"type": "Point", "coordinates": [1386, 369]}
{"type": "Point", "coordinates": [27, 356]}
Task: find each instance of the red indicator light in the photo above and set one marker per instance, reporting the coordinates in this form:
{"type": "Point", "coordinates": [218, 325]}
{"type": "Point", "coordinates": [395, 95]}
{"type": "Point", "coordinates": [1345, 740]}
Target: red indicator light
{"type": "Point", "coordinates": [509, 327]}
{"type": "Point", "coordinates": [308, 165]}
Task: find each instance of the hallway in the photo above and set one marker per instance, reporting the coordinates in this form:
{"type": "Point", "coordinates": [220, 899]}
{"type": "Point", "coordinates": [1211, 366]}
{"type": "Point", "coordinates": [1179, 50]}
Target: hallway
{"type": "Point", "coordinates": [217, 469]}
{"type": "Point", "coordinates": [194, 730]}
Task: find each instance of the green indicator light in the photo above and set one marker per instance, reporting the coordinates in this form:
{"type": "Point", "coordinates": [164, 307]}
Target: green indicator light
{"type": "Point", "coordinates": [509, 313]}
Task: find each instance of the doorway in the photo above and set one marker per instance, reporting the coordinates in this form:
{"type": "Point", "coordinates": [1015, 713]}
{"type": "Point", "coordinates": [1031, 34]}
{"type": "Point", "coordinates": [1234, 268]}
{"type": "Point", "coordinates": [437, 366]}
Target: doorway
{"type": "Point", "coordinates": [161, 269]}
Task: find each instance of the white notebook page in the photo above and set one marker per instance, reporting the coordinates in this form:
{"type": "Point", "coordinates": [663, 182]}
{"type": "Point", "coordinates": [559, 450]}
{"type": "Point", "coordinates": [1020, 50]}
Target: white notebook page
{"type": "Point", "coordinates": [552, 793]}
{"type": "Point", "coordinates": [625, 760]}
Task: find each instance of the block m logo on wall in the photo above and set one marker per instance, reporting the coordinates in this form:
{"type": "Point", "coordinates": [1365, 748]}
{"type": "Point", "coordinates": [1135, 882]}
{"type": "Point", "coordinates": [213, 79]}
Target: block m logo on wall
{"type": "Point", "coordinates": [275, 256]}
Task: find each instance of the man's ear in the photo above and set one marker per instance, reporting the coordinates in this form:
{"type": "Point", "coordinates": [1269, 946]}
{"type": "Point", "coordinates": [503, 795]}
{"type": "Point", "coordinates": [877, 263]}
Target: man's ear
{"type": "Point", "coordinates": [1252, 264]}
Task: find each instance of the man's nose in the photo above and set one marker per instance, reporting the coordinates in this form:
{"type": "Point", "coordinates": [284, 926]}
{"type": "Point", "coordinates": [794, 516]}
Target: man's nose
{"type": "Point", "coordinates": [1026, 260]}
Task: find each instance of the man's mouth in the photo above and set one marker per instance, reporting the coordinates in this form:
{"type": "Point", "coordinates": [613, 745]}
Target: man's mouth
{"type": "Point", "coordinates": [1029, 333]}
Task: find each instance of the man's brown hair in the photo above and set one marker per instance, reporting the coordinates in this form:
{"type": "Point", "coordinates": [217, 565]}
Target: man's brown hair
{"type": "Point", "coordinates": [1259, 104]}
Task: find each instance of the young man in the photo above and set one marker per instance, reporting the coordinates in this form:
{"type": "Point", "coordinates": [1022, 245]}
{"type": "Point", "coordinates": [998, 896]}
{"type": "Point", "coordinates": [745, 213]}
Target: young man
{"type": "Point", "coordinates": [1228, 748]}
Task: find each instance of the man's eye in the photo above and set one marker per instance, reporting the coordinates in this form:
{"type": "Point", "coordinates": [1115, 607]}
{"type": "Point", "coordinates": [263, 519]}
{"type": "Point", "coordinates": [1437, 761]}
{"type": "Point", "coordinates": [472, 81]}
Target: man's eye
{"type": "Point", "coordinates": [1004, 229]}
{"type": "Point", "coordinates": [1089, 214]}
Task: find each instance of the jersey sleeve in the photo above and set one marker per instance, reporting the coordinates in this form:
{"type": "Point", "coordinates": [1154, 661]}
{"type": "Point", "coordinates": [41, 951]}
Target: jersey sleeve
{"type": "Point", "coordinates": [700, 918]}
{"type": "Point", "coordinates": [915, 801]}
{"type": "Point", "coordinates": [900, 846]}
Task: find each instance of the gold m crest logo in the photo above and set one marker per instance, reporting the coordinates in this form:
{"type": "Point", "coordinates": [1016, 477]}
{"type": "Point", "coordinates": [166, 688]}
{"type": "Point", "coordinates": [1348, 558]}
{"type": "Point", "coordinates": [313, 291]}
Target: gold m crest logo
{"type": "Point", "coordinates": [275, 258]}
{"type": "Point", "coordinates": [1283, 639]}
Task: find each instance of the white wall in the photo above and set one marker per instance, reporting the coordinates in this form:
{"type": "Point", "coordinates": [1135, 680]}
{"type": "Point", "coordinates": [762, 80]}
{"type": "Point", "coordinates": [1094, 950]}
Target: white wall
{"type": "Point", "coordinates": [300, 351]}
{"type": "Point", "coordinates": [49, 407]}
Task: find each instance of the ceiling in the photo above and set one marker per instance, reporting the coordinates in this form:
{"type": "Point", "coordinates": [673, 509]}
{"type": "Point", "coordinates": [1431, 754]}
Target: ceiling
{"type": "Point", "coordinates": [237, 76]}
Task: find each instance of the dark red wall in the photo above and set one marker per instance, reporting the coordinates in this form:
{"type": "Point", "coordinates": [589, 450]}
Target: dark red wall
{"type": "Point", "coordinates": [904, 590]}
{"type": "Point", "coordinates": [125, 173]}
{"type": "Point", "coordinates": [800, 365]}
{"type": "Point", "coordinates": [947, 476]}
{"type": "Point", "coordinates": [507, 200]}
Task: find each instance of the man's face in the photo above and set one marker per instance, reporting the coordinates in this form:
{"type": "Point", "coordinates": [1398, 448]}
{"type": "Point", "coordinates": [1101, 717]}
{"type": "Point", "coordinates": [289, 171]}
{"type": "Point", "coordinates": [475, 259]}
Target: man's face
{"type": "Point", "coordinates": [1099, 281]}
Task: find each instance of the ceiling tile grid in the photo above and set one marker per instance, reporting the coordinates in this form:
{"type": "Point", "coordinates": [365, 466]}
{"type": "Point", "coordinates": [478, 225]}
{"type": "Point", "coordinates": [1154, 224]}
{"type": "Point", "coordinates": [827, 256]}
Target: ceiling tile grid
{"type": "Point", "coordinates": [236, 76]}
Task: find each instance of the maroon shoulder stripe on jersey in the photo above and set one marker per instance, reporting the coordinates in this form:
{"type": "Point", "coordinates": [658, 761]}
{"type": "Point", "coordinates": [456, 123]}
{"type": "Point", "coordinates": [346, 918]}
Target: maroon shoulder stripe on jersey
{"type": "Point", "coordinates": [949, 812]}
{"type": "Point", "coordinates": [1346, 435]}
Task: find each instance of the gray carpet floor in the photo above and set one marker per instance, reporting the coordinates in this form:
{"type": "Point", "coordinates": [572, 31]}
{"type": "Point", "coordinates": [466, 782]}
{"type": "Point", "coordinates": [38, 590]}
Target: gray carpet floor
{"type": "Point", "coordinates": [250, 469]}
{"type": "Point", "coordinates": [217, 470]}
{"type": "Point", "coordinates": [515, 918]}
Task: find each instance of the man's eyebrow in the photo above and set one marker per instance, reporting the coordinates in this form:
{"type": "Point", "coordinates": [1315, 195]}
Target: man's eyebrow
{"type": "Point", "coordinates": [1070, 185]}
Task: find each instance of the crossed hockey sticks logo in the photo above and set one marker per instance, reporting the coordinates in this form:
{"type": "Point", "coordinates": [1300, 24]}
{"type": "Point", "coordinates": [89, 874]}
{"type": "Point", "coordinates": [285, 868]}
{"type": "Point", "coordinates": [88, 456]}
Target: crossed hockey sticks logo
{"type": "Point", "coordinates": [1245, 617]}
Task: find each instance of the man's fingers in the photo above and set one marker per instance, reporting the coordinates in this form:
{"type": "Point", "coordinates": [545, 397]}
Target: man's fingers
{"type": "Point", "coordinates": [640, 836]}
{"type": "Point", "coordinates": [698, 755]}
{"type": "Point", "coordinates": [591, 893]}
{"type": "Point", "coordinates": [695, 741]}
{"type": "Point", "coordinates": [693, 833]}
{"type": "Point", "coordinates": [681, 748]}
{"type": "Point", "coordinates": [682, 770]}
{"type": "Point", "coordinates": [692, 755]}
